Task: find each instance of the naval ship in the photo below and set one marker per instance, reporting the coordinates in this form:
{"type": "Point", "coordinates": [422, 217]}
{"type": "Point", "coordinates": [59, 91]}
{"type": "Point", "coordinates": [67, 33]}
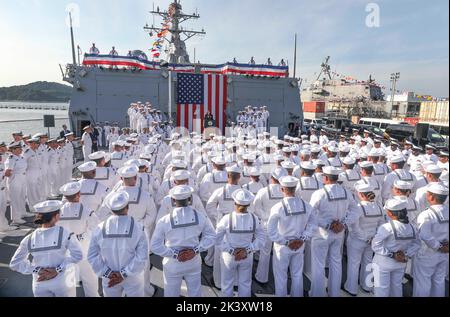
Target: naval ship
{"type": "Point", "coordinates": [104, 85]}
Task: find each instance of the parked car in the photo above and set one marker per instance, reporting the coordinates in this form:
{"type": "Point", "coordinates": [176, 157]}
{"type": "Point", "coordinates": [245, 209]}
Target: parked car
{"type": "Point", "coordinates": [404, 132]}
{"type": "Point", "coordinates": [377, 131]}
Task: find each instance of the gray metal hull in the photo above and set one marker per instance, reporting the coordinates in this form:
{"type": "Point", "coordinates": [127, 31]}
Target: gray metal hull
{"type": "Point", "coordinates": [104, 95]}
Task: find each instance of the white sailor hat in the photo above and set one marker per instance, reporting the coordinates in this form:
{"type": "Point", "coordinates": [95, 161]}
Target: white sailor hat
{"type": "Point", "coordinates": [48, 206]}
{"type": "Point", "coordinates": [366, 164]}
{"type": "Point", "coordinates": [69, 134]}
{"type": "Point", "coordinates": [331, 170]}
{"type": "Point", "coordinates": [39, 135]}
{"type": "Point", "coordinates": [397, 159]}
{"type": "Point", "coordinates": [403, 185]}
{"type": "Point", "coordinates": [377, 140]}
{"type": "Point", "coordinates": [14, 145]}
{"type": "Point", "coordinates": [279, 173]}
{"type": "Point", "coordinates": [395, 205]}
{"type": "Point", "coordinates": [249, 157]}
{"type": "Point", "coordinates": [128, 171]}
{"type": "Point", "coordinates": [179, 164]}
{"type": "Point", "coordinates": [349, 161]}
{"type": "Point", "coordinates": [364, 188]}
{"type": "Point", "coordinates": [429, 146]}
{"type": "Point", "coordinates": [287, 149]}
{"type": "Point", "coordinates": [308, 165]}
{"type": "Point", "coordinates": [278, 157]}
{"type": "Point", "coordinates": [117, 143]}
{"type": "Point", "coordinates": [181, 175]}
{"type": "Point", "coordinates": [315, 149]}
{"type": "Point", "coordinates": [145, 156]}
{"type": "Point", "coordinates": [364, 140]}
{"type": "Point", "coordinates": [87, 167]}
{"type": "Point", "coordinates": [295, 148]}
{"type": "Point", "coordinates": [319, 162]}
{"type": "Point", "coordinates": [234, 169]}
{"type": "Point", "coordinates": [288, 165]}
{"type": "Point", "coordinates": [417, 148]}
{"type": "Point", "coordinates": [267, 144]}
{"type": "Point", "coordinates": [288, 181]}
{"type": "Point", "coordinates": [374, 152]}
{"type": "Point", "coordinates": [97, 155]}
{"type": "Point", "coordinates": [252, 142]}
{"type": "Point", "coordinates": [243, 197]}
{"type": "Point", "coordinates": [304, 137]}
{"type": "Point", "coordinates": [118, 201]}
{"type": "Point", "coordinates": [314, 139]}
{"type": "Point", "coordinates": [178, 155]}
{"type": "Point", "coordinates": [254, 171]}
{"type": "Point", "coordinates": [433, 169]}
{"type": "Point", "coordinates": [87, 127]}
{"type": "Point", "coordinates": [333, 149]}
{"type": "Point", "coordinates": [443, 153]}
{"type": "Point", "coordinates": [344, 148]}
{"type": "Point", "coordinates": [181, 192]}
{"type": "Point", "coordinates": [33, 140]}
{"type": "Point", "coordinates": [143, 163]}
{"type": "Point", "coordinates": [305, 152]}
{"type": "Point", "coordinates": [219, 160]}
{"type": "Point", "coordinates": [132, 162]}
{"type": "Point", "coordinates": [438, 189]}
{"type": "Point", "coordinates": [367, 131]}
{"type": "Point", "coordinates": [70, 189]}
{"type": "Point", "coordinates": [278, 142]}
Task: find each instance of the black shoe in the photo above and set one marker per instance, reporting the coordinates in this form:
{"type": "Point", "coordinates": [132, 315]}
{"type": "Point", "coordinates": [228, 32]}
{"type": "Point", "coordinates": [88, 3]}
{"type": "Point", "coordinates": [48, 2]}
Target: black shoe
{"type": "Point", "coordinates": [352, 295]}
{"type": "Point", "coordinates": [260, 283]}
{"type": "Point", "coordinates": [365, 291]}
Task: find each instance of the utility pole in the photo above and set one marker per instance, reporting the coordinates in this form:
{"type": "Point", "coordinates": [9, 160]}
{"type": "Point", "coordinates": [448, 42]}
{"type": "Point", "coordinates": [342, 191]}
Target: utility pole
{"type": "Point", "coordinates": [394, 79]}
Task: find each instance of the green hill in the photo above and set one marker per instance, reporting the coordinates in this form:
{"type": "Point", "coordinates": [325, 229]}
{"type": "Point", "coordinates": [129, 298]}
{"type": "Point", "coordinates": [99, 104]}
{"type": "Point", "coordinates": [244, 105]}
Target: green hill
{"type": "Point", "coordinates": [38, 91]}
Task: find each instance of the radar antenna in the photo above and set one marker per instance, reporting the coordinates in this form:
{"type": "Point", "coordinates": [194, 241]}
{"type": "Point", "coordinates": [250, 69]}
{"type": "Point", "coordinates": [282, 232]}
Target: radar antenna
{"type": "Point", "coordinates": [177, 52]}
{"type": "Point", "coordinates": [326, 68]}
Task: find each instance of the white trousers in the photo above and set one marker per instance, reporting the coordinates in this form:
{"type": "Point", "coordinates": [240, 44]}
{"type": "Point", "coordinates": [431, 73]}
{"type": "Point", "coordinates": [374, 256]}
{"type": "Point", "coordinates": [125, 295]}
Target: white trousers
{"type": "Point", "coordinates": [285, 259]}
{"type": "Point", "coordinates": [44, 189]}
{"type": "Point", "coordinates": [175, 272]}
{"type": "Point", "coordinates": [86, 152]}
{"type": "Point", "coordinates": [17, 193]}
{"type": "Point", "coordinates": [132, 286]}
{"type": "Point", "coordinates": [359, 260]}
{"type": "Point", "coordinates": [3, 220]}
{"type": "Point", "coordinates": [429, 274]}
{"type": "Point", "coordinates": [217, 267]}
{"type": "Point", "coordinates": [321, 250]}
{"type": "Point", "coordinates": [388, 276]}
{"type": "Point", "coordinates": [54, 178]}
{"type": "Point", "coordinates": [262, 270]}
{"type": "Point", "coordinates": [230, 268]}
{"type": "Point", "coordinates": [85, 273]}
{"type": "Point", "coordinates": [56, 287]}
{"type": "Point", "coordinates": [33, 188]}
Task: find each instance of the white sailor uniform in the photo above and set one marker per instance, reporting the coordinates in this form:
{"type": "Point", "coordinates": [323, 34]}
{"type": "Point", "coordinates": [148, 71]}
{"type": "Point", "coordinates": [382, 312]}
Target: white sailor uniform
{"type": "Point", "coordinates": [52, 247]}
{"type": "Point", "coordinates": [234, 231]}
{"type": "Point", "coordinates": [290, 219]}
{"type": "Point", "coordinates": [75, 218]}
{"type": "Point", "coordinates": [124, 234]}
{"type": "Point", "coordinates": [184, 228]}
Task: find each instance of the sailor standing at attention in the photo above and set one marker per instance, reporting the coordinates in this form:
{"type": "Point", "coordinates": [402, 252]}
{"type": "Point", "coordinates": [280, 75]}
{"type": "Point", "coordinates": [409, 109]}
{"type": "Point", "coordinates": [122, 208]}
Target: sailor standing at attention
{"type": "Point", "coordinates": [15, 171]}
{"type": "Point", "coordinates": [334, 209]}
{"type": "Point", "coordinates": [431, 262]}
{"type": "Point", "coordinates": [394, 244]}
{"type": "Point", "coordinates": [52, 248]}
{"type": "Point", "coordinates": [179, 238]}
{"type": "Point", "coordinates": [75, 218]}
{"type": "Point", "coordinates": [122, 272]}
{"type": "Point", "coordinates": [3, 205]}
{"type": "Point", "coordinates": [264, 200]}
{"type": "Point", "coordinates": [239, 235]}
{"type": "Point", "coordinates": [33, 174]}
{"type": "Point", "coordinates": [69, 153]}
{"type": "Point", "coordinates": [86, 141]}
{"type": "Point", "coordinates": [92, 192]}
{"type": "Point", "coordinates": [359, 239]}
{"type": "Point", "coordinates": [290, 225]}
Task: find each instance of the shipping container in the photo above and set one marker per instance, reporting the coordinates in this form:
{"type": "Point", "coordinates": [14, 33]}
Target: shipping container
{"type": "Point", "coordinates": [313, 115]}
{"type": "Point", "coordinates": [434, 111]}
{"type": "Point", "coordinates": [314, 106]}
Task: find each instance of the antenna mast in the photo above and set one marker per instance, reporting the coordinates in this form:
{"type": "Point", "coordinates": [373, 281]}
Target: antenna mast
{"type": "Point", "coordinates": [326, 68]}
{"type": "Point", "coordinates": [177, 52]}
{"type": "Point", "coordinates": [73, 41]}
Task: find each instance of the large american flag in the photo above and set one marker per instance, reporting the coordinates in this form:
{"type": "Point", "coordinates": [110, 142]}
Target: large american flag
{"type": "Point", "coordinates": [199, 94]}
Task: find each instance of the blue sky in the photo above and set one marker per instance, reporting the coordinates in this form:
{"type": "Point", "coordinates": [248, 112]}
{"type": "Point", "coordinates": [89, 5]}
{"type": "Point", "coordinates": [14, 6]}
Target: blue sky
{"type": "Point", "coordinates": [413, 36]}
